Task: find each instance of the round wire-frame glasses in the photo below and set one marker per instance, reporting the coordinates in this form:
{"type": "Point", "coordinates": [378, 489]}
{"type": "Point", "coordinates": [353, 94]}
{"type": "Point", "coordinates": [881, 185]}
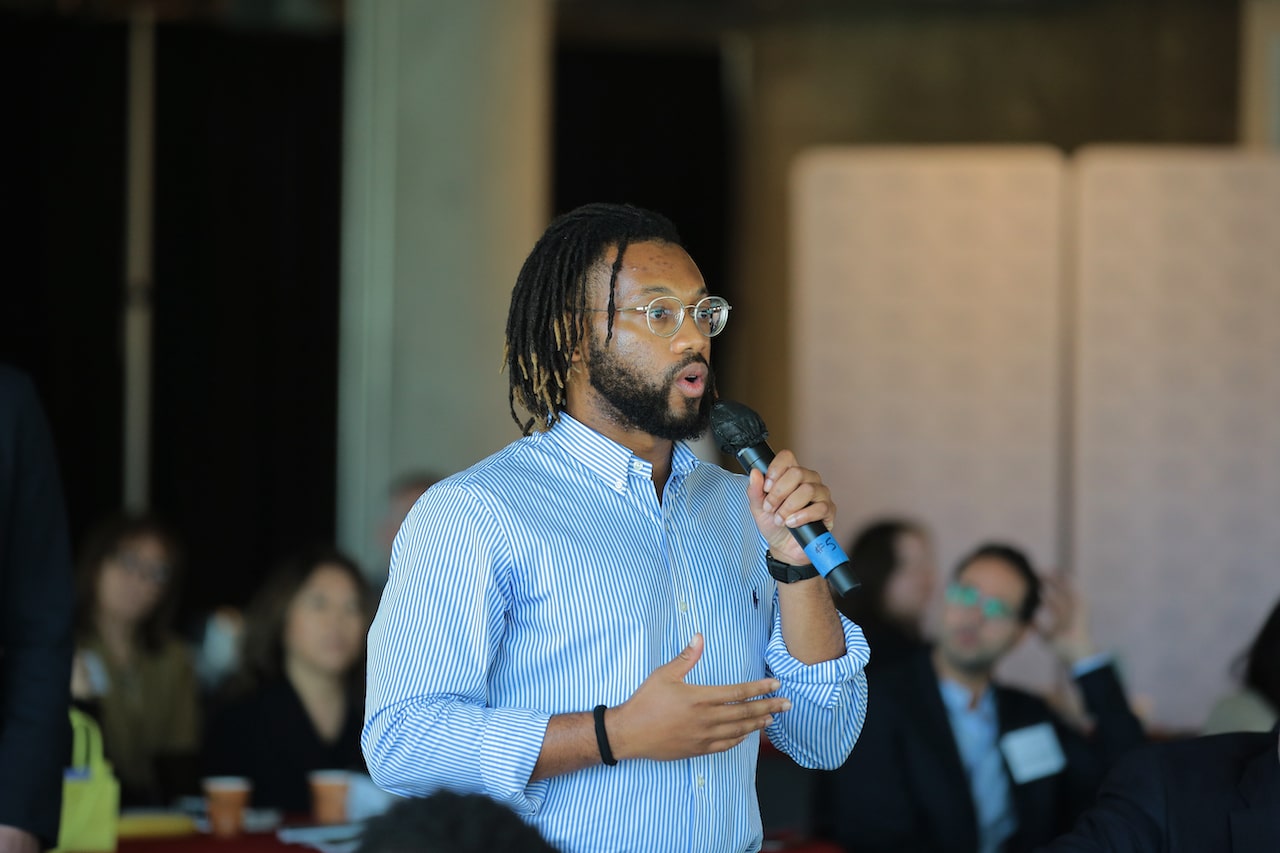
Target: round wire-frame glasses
{"type": "Point", "coordinates": [665, 315]}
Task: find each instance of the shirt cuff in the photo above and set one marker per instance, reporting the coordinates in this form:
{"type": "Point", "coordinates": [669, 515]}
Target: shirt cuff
{"type": "Point", "coordinates": [509, 755]}
{"type": "Point", "coordinates": [822, 683]}
{"type": "Point", "coordinates": [1084, 666]}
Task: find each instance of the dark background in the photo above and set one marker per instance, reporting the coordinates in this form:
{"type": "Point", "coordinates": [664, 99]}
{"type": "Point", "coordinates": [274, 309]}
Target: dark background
{"type": "Point", "coordinates": [247, 232]}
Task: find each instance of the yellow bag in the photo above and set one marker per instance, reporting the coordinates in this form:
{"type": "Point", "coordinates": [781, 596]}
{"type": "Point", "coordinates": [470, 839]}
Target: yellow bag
{"type": "Point", "coordinates": [90, 793]}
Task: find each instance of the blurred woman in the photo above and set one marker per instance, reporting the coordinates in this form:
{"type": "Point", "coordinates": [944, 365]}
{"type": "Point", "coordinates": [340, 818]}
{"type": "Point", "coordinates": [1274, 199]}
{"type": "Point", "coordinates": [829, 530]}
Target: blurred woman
{"type": "Point", "coordinates": [297, 704]}
{"type": "Point", "coordinates": [130, 671]}
{"type": "Point", "coordinates": [894, 560]}
{"type": "Point", "coordinates": [1256, 706]}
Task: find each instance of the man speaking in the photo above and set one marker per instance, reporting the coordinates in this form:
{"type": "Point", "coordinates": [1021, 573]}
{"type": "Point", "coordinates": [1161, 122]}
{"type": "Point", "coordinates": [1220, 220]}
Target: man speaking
{"type": "Point", "coordinates": [591, 625]}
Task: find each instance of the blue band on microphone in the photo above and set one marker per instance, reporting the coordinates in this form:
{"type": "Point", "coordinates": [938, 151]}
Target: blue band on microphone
{"type": "Point", "coordinates": [825, 553]}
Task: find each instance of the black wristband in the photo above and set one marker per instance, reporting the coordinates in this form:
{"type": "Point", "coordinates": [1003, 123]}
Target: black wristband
{"type": "Point", "coordinates": [787, 573]}
{"type": "Point", "coordinates": [602, 738]}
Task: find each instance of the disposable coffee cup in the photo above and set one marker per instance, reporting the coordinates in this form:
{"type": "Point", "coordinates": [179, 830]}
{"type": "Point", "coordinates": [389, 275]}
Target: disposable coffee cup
{"type": "Point", "coordinates": [225, 800]}
{"type": "Point", "coordinates": [329, 795]}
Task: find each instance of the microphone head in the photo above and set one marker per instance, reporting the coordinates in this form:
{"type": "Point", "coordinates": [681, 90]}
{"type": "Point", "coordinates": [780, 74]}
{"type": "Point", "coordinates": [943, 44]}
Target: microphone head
{"type": "Point", "coordinates": [736, 426]}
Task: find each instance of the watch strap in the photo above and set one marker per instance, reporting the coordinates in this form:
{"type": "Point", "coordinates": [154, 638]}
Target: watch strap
{"type": "Point", "coordinates": [786, 572]}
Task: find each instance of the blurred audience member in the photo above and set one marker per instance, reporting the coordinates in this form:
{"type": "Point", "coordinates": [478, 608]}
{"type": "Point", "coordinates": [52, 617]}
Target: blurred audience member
{"type": "Point", "coordinates": [218, 648]}
{"type": "Point", "coordinates": [446, 822]}
{"type": "Point", "coordinates": [401, 497]}
{"type": "Point", "coordinates": [894, 560]}
{"type": "Point", "coordinates": [130, 671]}
{"type": "Point", "coordinates": [35, 623]}
{"type": "Point", "coordinates": [949, 760]}
{"type": "Point", "coordinates": [297, 704]}
{"type": "Point", "coordinates": [1256, 706]}
{"type": "Point", "coordinates": [1219, 793]}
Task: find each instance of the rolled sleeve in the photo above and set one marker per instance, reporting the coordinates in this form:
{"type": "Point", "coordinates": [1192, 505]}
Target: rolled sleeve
{"type": "Point", "coordinates": [427, 721]}
{"type": "Point", "coordinates": [828, 699]}
{"type": "Point", "coordinates": [509, 750]}
{"type": "Point", "coordinates": [434, 744]}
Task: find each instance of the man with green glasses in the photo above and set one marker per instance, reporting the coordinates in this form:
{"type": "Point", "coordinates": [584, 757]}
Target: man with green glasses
{"type": "Point", "coordinates": [950, 760]}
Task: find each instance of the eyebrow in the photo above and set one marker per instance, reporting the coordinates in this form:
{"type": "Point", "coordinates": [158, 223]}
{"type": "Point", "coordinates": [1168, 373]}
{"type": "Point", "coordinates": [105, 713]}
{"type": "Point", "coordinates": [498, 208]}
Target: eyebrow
{"type": "Point", "coordinates": [663, 290]}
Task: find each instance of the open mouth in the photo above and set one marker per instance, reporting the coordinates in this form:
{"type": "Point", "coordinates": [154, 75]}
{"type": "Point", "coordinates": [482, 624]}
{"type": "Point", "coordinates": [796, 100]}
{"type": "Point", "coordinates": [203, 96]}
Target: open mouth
{"type": "Point", "coordinates": [693, 379]}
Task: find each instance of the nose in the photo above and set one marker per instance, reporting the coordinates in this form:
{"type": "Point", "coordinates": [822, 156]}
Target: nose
{"type": "Point", "coordinates": [970, 614]}
{"type": "Point", "coordinates": [687, 338]}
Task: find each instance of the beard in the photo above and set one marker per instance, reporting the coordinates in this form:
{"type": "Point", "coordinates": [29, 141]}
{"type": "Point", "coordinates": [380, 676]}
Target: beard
{"type": "Point", "coordinates": [645, 406]}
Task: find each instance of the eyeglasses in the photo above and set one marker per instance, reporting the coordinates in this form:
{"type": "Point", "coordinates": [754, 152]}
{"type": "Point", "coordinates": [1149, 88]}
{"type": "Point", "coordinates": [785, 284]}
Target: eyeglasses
{"type": "Point", "coordinates": [157, 573]}
{"type": "Point", "coordinates": [969, 596]}
{"type": "Point", "coordinates": [665, 315]}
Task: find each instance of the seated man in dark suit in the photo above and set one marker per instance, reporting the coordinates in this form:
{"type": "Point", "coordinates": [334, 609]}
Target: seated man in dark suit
{"type": "Point", "coordinates": [951, 762]}
{"type": "Point", "coordinates": [1218, 793]}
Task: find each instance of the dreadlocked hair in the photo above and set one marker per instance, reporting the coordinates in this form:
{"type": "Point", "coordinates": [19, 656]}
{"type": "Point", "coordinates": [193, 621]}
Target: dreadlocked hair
{"type": "Point", "coordinates": [550, 301]}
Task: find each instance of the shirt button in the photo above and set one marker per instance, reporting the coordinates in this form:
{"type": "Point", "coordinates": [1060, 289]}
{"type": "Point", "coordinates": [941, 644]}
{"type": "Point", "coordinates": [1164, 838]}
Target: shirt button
{"type": "Point", "coordinates": [702, 781]}
{"type": "Point", "coordinates": [684, 606]}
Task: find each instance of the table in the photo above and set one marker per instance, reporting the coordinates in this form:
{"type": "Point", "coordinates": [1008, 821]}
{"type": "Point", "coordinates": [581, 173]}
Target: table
{"type": "Point", "coordinates": [254, 842]}
{"type": "Point", "coordinates": [266, 842]}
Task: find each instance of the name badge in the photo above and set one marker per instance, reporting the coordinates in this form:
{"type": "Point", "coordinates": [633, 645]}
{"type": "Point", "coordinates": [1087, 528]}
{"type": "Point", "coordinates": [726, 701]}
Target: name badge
{"type": "Point", "coordinates": [1032, 753]}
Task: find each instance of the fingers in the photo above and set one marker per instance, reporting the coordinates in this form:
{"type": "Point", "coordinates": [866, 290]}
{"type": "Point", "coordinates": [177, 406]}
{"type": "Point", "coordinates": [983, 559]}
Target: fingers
{"type": "Point", "coordinates": [724, 745]}
{"type": "Point", "coordinates": [794, 495]}
{"type": "Point", "coordinates": [1057, 608]}
{"type": "Point", "coordinates": [725, 693]}
{"type": "Point", "coordinates": [683, 663]}
{"type": "Point", "coordinates": [735, 721]}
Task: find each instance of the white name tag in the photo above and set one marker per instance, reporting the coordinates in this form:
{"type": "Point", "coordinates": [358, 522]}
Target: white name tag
{"type": "Point", "coordinates": [1032, 753]}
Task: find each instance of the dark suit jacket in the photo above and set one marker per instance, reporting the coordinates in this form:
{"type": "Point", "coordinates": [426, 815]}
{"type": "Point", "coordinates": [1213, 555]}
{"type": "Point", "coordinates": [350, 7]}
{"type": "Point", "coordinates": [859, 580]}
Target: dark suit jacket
{"type": "Point", "coordinates": [35, 617]}
{"type": "Point", "coordinates": [904, 787]}
{"type": "Point", "coordinates": [1218, 793]}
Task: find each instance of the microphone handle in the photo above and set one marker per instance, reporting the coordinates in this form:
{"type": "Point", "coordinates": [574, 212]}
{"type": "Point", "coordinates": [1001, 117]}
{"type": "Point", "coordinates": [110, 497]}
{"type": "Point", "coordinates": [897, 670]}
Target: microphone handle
{"type": "Point", "coordinates": [821, 547]}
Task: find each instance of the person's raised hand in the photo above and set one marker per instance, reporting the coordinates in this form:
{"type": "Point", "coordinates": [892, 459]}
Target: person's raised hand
{"type": "Point", "coordinates": [788, 496]}
{"type": "Point", "coordinates": [1063, 619]}
{"type": "Point", "coordinates": [667, 719]}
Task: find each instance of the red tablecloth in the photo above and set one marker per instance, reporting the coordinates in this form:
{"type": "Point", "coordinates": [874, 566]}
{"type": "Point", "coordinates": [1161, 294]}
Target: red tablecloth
{"type": "Point", "coordinates": [268, 843]}
{"type": "Point", "coordinates": [254, 842]}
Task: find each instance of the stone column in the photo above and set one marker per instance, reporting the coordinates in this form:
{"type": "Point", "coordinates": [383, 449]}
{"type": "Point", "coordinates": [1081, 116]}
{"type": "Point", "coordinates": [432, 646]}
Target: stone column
{"type": "Point", "coordinates": [445, 190]}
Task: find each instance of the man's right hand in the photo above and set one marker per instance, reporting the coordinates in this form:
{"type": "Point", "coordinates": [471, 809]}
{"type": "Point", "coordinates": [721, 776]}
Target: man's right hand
{"type": "Point", "coordinates": [667, 719]}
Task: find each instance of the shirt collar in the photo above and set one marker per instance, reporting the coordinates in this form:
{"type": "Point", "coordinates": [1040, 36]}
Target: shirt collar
{"type": "Point", "coordinates": [607, 459]}
{"type": "Point", "coordinates": [957, 698]}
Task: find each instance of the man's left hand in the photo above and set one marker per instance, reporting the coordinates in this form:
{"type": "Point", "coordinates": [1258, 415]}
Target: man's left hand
{"type": "Point", "coordinates": [788, 496]}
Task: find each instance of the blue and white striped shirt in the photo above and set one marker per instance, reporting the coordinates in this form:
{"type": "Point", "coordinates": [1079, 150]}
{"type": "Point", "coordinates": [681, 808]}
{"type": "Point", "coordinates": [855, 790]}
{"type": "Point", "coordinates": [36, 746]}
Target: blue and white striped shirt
{"type": "Point", "coordinates": [548, 579]}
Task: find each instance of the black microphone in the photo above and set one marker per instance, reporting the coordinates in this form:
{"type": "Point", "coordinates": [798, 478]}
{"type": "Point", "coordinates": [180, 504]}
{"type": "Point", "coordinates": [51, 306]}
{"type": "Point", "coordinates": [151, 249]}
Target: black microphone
{"type": "Point", "coordinates": [740, 432]}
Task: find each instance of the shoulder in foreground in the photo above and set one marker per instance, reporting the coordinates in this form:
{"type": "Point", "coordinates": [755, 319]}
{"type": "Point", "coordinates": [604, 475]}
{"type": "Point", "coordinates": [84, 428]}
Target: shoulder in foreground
{"type": "Point", "coordinates": [1208, 760]}
{"type": "Point", "coordinates": [1230, 746]}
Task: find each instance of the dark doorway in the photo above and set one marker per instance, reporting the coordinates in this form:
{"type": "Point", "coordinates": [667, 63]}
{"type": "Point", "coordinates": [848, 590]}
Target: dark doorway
{"type": "Point", "coordinates": [247, 227]}
{"type": "Point", "coordinates": [248, 165]}
{"type": "Point", "coordinates": [62, 154]}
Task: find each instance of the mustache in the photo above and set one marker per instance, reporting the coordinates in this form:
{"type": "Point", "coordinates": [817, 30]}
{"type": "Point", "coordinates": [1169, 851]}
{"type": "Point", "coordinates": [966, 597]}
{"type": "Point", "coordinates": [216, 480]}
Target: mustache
{"type": "Point", "coordinates": [676, 372]}
{"type": "Point", "coordinates": [691, 359]}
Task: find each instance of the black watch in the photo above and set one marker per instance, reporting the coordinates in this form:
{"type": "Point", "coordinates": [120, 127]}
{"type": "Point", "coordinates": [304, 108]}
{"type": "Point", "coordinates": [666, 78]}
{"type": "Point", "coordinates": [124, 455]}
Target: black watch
{"type": "Point", "coordinates": [787, 573]}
